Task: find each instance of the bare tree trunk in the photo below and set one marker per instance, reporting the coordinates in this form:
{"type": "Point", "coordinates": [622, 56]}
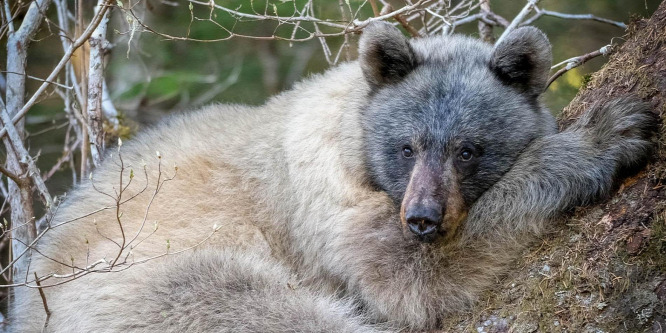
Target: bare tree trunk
{"type": "Point", "coordinates": [22, 210]}
{"type": "Point", "coordinates": [98, 47]}
{"type": "Point", "coordinates": [485, 29]}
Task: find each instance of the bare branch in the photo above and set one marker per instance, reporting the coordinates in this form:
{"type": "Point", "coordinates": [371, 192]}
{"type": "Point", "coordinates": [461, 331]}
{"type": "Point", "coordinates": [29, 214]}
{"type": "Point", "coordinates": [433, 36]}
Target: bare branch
{"type": "Point", "coordinates": [66, 157]}
{"type": "Point", "coordinates": [42, 80]}
{"type": "Point", "coordinates": [497, 19]}
{"type": "Point", "coordinates": [8, 16]}
{"type": "Point", "coordinates": [404, 10]}
{"type": "Point", "coordinates": [21, 201]}
{"type": "Point", "coordinates": [388, 9]}
{"type": "Point", "coordinates": [577, 61]}
{"type": "Point", "coordinates": [531, 4]}
{"type": "Point", "coordinates": [403, 22]}
{"type": "Point", "coordinates": [32, 20]}
{"type": "Point", "coordinates": [375, 8]}
{"type": "Point", "coordinates": [447, 29]}
{"type": "Point", "coordinates": [77, 43]}
{"type": "Point", "coordinates": [272, 17]}
{"type": "Point", "coordinates": [14, 177]}
{"type": "Point", "coordinates": [345, 18]}
{"type": "Point", "coordinates": [3, 191]}
{"type": "Point", "coordinates": [98, 47]}
{"type": "Point", "coordinates": [542, 12]}
{"type": "Point", "coordinates": [41, 294]}
{"type": "Point", "coordinates": [485, 29]}
{"type": "Point", "coordinates": [23, 156]}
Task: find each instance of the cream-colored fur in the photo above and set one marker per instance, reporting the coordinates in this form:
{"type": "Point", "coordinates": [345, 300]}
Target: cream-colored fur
{"type": "Point", "coordinates": [235, 169]}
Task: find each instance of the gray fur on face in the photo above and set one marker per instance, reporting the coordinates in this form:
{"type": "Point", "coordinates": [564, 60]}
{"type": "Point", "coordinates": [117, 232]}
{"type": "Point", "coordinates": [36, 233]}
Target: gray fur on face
{"type": "Point", "coordinates": [461, 92]}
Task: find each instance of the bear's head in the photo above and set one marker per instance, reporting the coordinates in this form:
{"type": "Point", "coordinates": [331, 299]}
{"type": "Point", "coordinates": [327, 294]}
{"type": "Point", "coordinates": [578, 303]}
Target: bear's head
{"type": "Point", "coordinates": [447, 117]}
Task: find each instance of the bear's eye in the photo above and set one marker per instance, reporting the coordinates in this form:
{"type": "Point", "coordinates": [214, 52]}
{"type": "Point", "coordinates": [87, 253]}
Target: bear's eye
{"type": "Point", "coordinates": [407, 152]}
{"type": "Point", "coordinates": [466, 154]}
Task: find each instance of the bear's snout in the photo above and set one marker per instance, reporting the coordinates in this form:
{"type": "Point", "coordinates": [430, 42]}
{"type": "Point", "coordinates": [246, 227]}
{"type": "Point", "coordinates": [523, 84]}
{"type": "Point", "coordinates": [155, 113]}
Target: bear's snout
{"type": "Point", "coordinates": [432, 206]}
{"type": "Point", "coordinates": [424, 221]}
{"type": "Point", "coordinates": [423, 205]}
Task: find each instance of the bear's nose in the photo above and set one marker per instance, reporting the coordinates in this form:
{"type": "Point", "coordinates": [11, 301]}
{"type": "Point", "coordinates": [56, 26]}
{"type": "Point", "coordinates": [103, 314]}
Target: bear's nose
{"type": "Point", "coordinates": [423, 221]}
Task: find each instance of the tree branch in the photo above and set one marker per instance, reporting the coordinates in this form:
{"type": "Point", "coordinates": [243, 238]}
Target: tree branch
{"type": "Point", "coordinates": [8, 16]}
{"type": "Point", "coordinates": [15, 178]}
{"type": "Point", "coordinates": [98, 47]}
{"type": "Point", "coordinates": [485, 29]}
{"type": "Point", "coordinates": [497, 19]}
{"type": "Point", "coordinates": [577, 61]}
{"type": "Point", "coordinates": [301, 18]}
{"type": "Point", "coordinates": [531, 4]}
{"type": "Point", "coordinates": [77, 43]}
{"type": "Point", "coordinates": [542, 12]}
{"type": "Point", "coordinates": [23, 156]}
{"type": "Point", "coordinates": [41, 294]}
{"type": "Point", "coordinates": [20, 194]}
{"type": "Point", "coordinates": [400, 19]}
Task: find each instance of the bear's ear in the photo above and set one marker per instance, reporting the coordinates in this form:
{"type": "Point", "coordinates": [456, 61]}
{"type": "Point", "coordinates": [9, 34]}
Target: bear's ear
{"type": "Point", "coordinates": [523, 60]}
{"type": "Point", "coordinates": [385, 54]}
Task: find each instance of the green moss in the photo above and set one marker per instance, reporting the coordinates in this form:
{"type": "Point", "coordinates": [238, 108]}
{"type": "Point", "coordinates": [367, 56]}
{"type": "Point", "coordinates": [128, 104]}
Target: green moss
{"type": "Point", "coordinates": [655, 251]}
{"type": "Point", "coordinates": [586, 79]}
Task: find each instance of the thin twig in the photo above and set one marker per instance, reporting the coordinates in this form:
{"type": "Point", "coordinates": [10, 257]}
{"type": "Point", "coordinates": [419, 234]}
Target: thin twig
{"type": "Point", "coordinates": [404, 10]}
{"type": "Point", "coordinates": [77, 43]}
{"type": "Point", "coordinates": [403, 22]}
{"type": "Point", "coordinates": [577, 61]}
{"type": "Point", "coordinates": [41, 294]}
{"type": "Point", "coordinates": [542, 12]}
{"type": "Point", "coordinates": [66, 157]}
{"type": "Point", "coordinates": [283, 19]}
{"type": "Point", "coordinates": [15, 178]}
{"type": "Point", "coordinates": [40, 79]}
{"type": "Point", "coordinates": [485, 29]}
{"type": "Point", "coordinates": [497, 19]}
{"type": "Point", "coordinates": [388, 9]}
{"type": "Point", "coordinates": [345, 18]}
{"type": "Point", "coordinates": [119, 197]}
{"type": "Point", "coordinates": [23, 156]}
{"type": "Point", "coordinates": [375, 9]}
{"type": "Point", "coordinates": [8, 16]}
{"type": "Point", "coordinates": [531, 4]}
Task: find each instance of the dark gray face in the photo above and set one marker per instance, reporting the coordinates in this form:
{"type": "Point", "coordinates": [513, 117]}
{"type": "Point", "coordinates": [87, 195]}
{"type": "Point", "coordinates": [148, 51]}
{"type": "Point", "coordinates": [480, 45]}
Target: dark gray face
{"type": "Point", "coordinates": [447, 118]}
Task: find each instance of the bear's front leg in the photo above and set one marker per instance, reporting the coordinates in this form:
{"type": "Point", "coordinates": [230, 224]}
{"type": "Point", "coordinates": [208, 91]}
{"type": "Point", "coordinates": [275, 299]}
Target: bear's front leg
{"type": "Point", "coordinates": [578, 166]}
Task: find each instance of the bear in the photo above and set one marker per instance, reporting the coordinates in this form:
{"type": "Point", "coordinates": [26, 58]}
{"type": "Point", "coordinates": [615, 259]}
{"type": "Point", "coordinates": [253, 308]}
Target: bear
{"type": "Point", "coordinates": [381, 195]}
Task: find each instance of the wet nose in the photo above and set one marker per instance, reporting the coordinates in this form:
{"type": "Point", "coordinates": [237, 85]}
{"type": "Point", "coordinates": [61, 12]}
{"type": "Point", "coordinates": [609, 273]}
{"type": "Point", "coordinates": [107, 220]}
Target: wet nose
{"type": "Point", "coordinates": [423, 221]}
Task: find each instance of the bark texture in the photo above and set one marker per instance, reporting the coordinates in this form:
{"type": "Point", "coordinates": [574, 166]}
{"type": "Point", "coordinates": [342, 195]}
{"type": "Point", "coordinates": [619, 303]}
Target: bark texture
{"type": "Point", "coordinates": [604, 268]}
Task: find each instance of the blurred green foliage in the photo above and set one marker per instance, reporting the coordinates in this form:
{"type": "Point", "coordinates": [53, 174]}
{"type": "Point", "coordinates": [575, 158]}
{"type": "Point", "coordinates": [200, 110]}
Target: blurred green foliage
{"type": "Point", "coordinates": [161, 75]}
